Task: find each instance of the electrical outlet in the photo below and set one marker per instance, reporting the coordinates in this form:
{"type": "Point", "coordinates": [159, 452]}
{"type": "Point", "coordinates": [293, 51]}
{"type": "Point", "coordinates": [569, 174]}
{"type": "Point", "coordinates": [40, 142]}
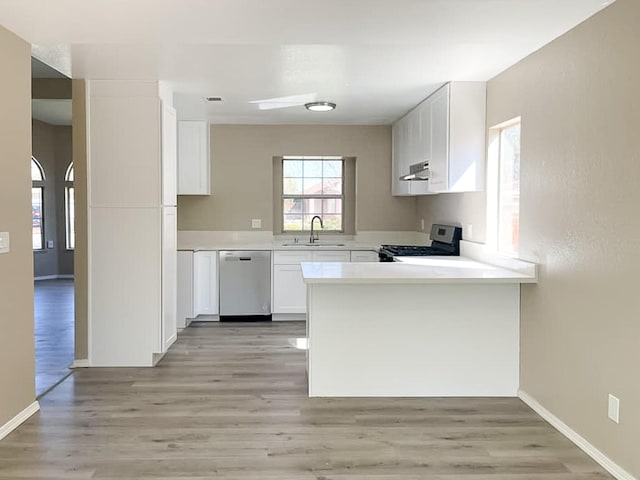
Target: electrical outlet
{"type": "Point", "coordinates": [256, 223]}
{"type": "Point", "coordinates": [4, 242]}
{"type": "Point", "coordinates": [49, 243]}
{"type": "Point", "coordinates": [422, 224]}
{"type": "Point", "coordinates": [614, 408]}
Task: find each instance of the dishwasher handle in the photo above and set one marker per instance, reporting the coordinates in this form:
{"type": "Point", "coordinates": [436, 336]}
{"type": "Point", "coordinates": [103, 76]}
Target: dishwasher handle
{"type": "Point", "coordinates": [236, 257]}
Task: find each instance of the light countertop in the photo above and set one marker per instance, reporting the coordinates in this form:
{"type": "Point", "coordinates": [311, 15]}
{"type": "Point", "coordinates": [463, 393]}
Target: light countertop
{"type": "Point", "coordinates": [278, 246]}
{"type": "Point", "coordinates": [411, 270]}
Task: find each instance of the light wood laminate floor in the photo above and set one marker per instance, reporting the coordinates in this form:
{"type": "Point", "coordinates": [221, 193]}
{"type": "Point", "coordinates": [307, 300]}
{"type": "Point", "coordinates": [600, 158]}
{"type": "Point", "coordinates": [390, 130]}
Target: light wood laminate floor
{"type": "Point", "coordinates": [229, 401]}
{"type": "Point", "coordinates": [54, 331]}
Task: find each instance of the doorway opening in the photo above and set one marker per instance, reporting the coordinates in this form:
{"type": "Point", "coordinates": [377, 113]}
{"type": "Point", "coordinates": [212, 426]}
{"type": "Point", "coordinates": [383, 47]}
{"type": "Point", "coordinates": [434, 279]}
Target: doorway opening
{"type": "Point", "coordinates": [53, 209]}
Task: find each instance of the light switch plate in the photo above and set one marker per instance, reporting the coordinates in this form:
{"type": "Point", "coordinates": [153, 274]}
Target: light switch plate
{"type": "Point", "coordinates": [614, 408]}
{"type": "Point", "coordinates": [256, 223]}
{"type": "Point", "coordinates": [49, 243]}
{"type": "Point", "coordinates": [4, 242]}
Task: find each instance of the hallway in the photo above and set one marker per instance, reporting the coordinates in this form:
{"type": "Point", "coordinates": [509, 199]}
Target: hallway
{"type": "Point", "coordinates": [54, 331]}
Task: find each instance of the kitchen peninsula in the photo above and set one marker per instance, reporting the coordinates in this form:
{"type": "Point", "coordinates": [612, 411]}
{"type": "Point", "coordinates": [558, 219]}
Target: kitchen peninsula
{"type": "Point", "coordinates": [434, 326]}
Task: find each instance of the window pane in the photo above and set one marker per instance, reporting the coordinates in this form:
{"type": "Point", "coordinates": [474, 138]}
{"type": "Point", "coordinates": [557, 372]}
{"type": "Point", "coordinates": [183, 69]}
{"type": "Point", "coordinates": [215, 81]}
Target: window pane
{"type": "Point", "coordinates": [292, 205]}
{"type": "Point", "coordinates": [332, 186]}
{"type": "Point", "coordinates": [332, 222]}
{"type": "Point", "coordinates": [293, 222]}
{"type": "Point", "coordinates": [312, 186]}
{"type": "Point", "coordinates": [509, 193]}
{"type": "Point", "coordinates": [331, 205]}
{"type": "Point", "coordinates": [332, 168]}
{"type": "Point", "coordinates": [70, 218]}
{"type": "Point", "coordinates": [36, 215]}
{"type": "Point", "coordinates": [292, 168]}
{"type": "Point", "coordinates": [292, 186]}
{"type": "Point", "coordinates": [313, 168]}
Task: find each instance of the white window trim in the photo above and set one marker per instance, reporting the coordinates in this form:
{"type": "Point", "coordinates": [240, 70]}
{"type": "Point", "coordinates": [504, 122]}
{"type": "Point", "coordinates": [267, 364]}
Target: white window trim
{"type": "Point", "coordinates": [322, 197]}
{"type": "Point", "coordinates": [39, 184]}
{"type": "Point", "coordinates": [67, 185]}
{"type": "Point", "coordinates": [493, 186]}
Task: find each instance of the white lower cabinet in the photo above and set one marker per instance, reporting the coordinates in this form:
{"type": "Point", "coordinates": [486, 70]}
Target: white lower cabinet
{"type": "Point", "coordinates": [185, 306]}
{"type": "Point", "coordinates": [205, 283]}
{"type": "Point", "coordinates": [198, 285]}
{"type": "Point", "coordinates": [289, 290]}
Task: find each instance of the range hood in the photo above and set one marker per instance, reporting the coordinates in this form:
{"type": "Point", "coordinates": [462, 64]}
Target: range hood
{"type": "Point", "coordinates": [417, 172]}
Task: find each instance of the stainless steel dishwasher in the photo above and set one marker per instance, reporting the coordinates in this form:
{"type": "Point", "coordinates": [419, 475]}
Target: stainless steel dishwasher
{"type": "Point", "coordinates": [245, 285]}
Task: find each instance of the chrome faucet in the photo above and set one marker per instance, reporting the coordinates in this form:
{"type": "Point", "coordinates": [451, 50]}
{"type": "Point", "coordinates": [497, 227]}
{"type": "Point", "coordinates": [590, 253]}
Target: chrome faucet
{"type": "Point", "coordinates": [313, 237]}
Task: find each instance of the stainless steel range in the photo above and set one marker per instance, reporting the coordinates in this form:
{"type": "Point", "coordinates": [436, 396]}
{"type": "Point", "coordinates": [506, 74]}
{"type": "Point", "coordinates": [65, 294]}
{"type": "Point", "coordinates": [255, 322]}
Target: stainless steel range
{"type": "Point", "coordinates": [445, 240]}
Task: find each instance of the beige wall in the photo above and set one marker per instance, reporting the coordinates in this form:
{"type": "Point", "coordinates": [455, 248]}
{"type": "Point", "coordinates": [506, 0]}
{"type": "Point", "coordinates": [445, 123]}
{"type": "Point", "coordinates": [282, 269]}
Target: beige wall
{"type": "Point", "coordinates": [16, 267]}
{"type": "Point", "coordinates": [242, 170]}
{"type": "Point", "coordinates": [579, 98]}
{"type": "Point", "coordinates": [461, 209]}
{"type": "Point", "coordinates": [64, 155]}
{"type": "Point", "coordinates": [80, 267]}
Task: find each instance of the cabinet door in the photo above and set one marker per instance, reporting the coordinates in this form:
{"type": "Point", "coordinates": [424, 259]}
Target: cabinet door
{"type": "Point", "coordinates": [193, 158]}
{"type": "Point", "coordinates": [399, 161]}
{"type": "Point", "coordinates": [185, 288]}
{"type": "Point", "coordinates": [364, 256]}
{"type": "Point", "coordinates": [205, 283]}
{"type": "Point", "coordinates": [422, 147]}
{"type": "Point", "coordinates": [289, 290]}
{"type": "Point", "coordinates": [169, 155]}
{"type": "Point", "coordinates": [439, 140]}
{"type": "Point", "coordinates": [169, 274]}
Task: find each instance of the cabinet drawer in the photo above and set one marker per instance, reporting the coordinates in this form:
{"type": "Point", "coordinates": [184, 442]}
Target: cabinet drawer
{"type": "Point", "coordinates": [331, 256]}
{"type": "Point", "coordinates": [291, 258]}
{"type": "Point", "coordinates": [364, 256]}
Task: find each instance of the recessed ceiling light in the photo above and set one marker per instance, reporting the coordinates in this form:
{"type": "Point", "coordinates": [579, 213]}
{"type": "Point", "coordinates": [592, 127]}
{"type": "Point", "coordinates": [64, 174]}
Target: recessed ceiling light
{"type": "Point", "coordinates": [213, 99]}
{"type": "Point", "coordinates": [320, 106]}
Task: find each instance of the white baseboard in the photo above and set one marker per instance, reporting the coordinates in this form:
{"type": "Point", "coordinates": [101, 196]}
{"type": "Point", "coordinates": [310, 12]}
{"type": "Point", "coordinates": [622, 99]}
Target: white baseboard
{"type": "Point", "coordinates": [55, 277]}
{"type": "Point", "coordinates": [16, 421]}
{"type": "Point", "coordinates": [80, 363]}
{"type": "Point", "coordinates": [170, 341]}
{"type": "Point", "coordinates": [288, 317]}
{"type": "Point", "coordinates": [609, 465]}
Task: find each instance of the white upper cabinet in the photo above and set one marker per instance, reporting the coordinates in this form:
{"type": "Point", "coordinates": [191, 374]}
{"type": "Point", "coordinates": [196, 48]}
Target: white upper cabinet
{"type": "Point", "coordinates": [408, 138]}
{"type": "Point", "coordinates": [194, 177]}
{"type": "Point", "coordinates": [448, 130]}
{"type": "Point", "coordinates": [439, 159]}
{"type": "Point", "coordinates": [467, 136]}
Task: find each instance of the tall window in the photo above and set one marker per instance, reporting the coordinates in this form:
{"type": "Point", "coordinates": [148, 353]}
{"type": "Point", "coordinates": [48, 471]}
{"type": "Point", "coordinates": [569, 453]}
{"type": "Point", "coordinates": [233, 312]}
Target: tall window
{"type": "Point", "coordinates": [37, 204]}
{"type": "Point", "coordinates": [504, 186]}
{"type": "Point", "coordinates": [312, 186]}
{"type": "Point", "coordinates": [69, 209]}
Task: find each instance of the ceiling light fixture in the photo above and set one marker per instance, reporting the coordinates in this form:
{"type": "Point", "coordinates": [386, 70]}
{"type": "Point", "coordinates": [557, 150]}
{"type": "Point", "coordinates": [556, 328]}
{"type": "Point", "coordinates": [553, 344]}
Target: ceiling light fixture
{"type": "Point", "coordinates": [320, 106]}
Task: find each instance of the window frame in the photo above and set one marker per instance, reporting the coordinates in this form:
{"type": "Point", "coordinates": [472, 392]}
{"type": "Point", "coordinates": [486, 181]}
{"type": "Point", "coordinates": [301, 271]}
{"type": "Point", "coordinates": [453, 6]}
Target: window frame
{"type": "Point", "coordinates": [38, 184]}
{"type": "Point", "coordinates": [342, 197]}
{"type": "Point", "coordinates": [69, 208]}
{"type": "Point", "coordinates": [495, 189]}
